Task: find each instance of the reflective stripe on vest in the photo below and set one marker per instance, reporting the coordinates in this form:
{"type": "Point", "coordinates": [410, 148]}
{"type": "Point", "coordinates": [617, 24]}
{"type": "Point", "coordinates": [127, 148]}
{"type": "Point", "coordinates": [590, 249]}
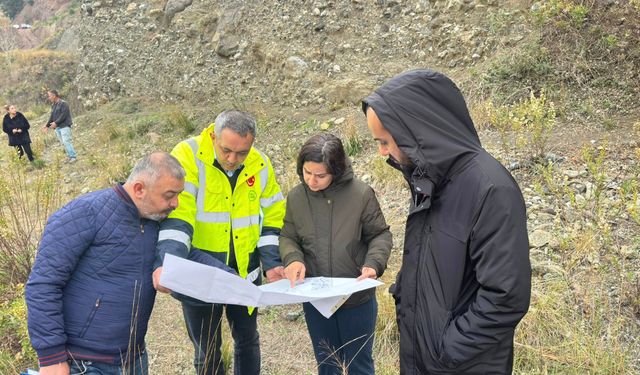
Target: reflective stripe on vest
{"type": "Point", "coordinates": [205, 217]}
{"type": "Point", "coordinates": [176, 235]}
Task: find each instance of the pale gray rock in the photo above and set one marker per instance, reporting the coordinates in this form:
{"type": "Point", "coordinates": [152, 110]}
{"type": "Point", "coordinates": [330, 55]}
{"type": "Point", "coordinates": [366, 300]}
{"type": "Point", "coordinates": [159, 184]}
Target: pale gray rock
{"type": "Point", "coordinates": [539, 238]}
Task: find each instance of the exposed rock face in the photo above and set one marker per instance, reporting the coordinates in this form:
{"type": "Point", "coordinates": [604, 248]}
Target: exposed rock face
{"type": "Point", "coordinates": [290, 54]}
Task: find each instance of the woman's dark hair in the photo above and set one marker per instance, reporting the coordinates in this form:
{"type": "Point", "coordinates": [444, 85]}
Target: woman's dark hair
{"type": "Point", "coordinates": [323, 148]}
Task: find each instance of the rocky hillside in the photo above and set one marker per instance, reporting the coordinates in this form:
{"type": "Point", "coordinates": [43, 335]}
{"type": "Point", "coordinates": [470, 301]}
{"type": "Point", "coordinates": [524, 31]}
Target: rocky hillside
{"type": "Point", "coordinates": [316, 56]}
{"type": "Point", "coordinates": [143, 75]}
{"type": "Point", "coordinates": [289, 54]}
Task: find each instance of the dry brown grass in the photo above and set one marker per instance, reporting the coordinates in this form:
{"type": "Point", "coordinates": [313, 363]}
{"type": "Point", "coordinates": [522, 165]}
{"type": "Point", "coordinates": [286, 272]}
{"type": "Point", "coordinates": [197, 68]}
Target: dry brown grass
{"type": "Point", "coordinates": [285, 344]}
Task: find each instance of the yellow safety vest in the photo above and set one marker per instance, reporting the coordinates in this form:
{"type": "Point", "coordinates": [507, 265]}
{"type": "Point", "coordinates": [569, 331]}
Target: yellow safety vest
{"type": "Point", "coordinates": [213, 210]}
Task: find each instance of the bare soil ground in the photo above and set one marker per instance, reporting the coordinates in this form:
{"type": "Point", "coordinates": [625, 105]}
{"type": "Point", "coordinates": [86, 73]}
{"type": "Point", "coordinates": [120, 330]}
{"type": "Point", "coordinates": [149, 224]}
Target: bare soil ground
{"type": "Point", "coordinates": [285, 344]}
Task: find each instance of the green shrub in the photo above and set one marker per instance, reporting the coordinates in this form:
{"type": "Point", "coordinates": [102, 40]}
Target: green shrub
{"type": "Point", "coordinates": [537, 117]}
{"type": "Point", "coordinates": [526, 124]}
{"type": "Point", "coordinates": [27, 199]}
{"type": "Point", "coordinates": [140, 127]}
{"type": "Point", "coordinates": [127, 106]}
{"type": "Point", "coordinates": [594, 159]}
{"type": "Point", "coordinates": [180, 122]}
{"type": "Point", "coordinates": [16, 352]}
{"type": "Point", "coordinates": [353, 141]}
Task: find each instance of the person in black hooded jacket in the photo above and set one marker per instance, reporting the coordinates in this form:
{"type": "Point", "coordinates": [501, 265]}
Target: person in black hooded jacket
{"type": "Point", "coordinates": [465, 279]}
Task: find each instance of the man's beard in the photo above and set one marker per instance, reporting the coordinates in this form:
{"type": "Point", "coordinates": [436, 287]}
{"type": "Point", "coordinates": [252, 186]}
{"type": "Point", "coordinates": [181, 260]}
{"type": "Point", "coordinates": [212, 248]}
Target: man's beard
{"type": "Point", "coordinates": [155, 216]}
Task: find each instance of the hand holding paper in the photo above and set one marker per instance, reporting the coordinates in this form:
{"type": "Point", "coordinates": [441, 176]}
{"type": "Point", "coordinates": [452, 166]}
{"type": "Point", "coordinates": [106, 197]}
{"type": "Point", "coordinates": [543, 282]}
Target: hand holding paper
{"type": "Point", "coordinates": [213, 285]}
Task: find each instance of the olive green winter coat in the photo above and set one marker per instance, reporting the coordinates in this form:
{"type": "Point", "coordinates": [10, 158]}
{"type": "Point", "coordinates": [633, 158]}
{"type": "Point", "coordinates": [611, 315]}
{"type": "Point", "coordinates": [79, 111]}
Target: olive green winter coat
{"type": "Point", "coordinates": [336, 232]}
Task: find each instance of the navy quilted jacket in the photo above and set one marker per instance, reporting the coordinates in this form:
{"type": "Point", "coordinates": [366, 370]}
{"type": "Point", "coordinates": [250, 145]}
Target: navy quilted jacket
{"type": "Point", "coordinates": [90, 293]}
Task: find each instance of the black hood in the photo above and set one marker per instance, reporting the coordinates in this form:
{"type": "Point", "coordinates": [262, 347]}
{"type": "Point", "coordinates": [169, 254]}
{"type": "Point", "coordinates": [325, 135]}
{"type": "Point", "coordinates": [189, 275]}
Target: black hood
{"type": "Point", "coordinates": [428, 118]}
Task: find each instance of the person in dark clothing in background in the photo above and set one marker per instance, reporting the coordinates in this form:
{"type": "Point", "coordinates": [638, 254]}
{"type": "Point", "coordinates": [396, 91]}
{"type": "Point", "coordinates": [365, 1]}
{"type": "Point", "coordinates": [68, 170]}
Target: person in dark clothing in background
{"type": "Point", "coordinates": [17, 128]}
{"type": "Point", "coordinates": [465, 280]}
{"type": "Point", "coordinates": [60, 120]}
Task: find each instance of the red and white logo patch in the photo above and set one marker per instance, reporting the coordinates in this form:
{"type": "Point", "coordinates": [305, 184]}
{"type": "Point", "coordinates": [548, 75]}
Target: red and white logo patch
{"type": "Point", "coordinates": [251, 181]}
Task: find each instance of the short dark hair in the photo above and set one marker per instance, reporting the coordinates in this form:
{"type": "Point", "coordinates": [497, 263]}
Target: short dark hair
{"type": "Point", "coordinates": [323, 148]}
{"type": "Point", "coordinates": [54, 92]}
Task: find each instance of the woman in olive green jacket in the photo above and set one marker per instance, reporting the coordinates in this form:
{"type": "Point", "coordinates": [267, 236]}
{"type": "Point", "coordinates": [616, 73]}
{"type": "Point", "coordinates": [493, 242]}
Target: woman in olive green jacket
{"type": "Point", "coordinates": [334, 227]}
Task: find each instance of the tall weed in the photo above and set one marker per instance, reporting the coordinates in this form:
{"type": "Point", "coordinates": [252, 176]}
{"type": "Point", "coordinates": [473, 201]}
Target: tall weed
{"type": "Point", "coordinates": [15, 349]}
{"type": "Point", "coordinates": [526, 124]}
{"type": "Point", "coordinates": [27, 199]}
{"type": "Point", "coordinates": [180, 122]}
{"type": "Point", "coordinates": [571, 329]}
{"type": "Point", "coordinates": [353, 141]}
{"type": "Point", "coordinates": [386, 347]}
{"type": "Point", "coordinates": [26, 202]}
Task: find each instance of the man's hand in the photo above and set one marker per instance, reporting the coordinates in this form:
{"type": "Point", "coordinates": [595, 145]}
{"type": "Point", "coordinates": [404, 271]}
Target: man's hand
{"type": "Point", "coordinates": [275, 274]}
{"type": "Point", "coordinates": [53, 125]}
{"type": "Point", "coordinates": [294, 272]}
{"type": "Point", "coordinates": [367, 273]}
{"type": "Point", "coordinates": [156, 281]}
{"type": "Point", "coordinates": [61, 368]}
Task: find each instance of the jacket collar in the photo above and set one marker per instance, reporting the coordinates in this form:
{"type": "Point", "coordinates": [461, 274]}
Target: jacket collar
{"type": "Point", "coordinates": [125, 198]}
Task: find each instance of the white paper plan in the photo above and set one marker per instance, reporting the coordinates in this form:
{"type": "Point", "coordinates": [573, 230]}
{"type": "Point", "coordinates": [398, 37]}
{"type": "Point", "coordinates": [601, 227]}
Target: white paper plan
{"type": "Point", "coordinates": [213, 285]}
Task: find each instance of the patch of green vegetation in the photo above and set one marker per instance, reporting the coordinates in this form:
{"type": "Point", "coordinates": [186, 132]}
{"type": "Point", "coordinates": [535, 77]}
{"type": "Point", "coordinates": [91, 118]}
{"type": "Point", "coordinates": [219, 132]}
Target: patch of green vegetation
{"type": "Point", "coordinates": [113, 132]}
{"type": "Point", "coordinates": [384, 175]}
{"type": "Point", "coordinates": [514, 74]}
{"type": "Point", "coordinates": [11, 7]}
{"type": "Point", "coordinates": [127, 106]}
{"type": "Point", "coordinates": [352, 139]}
{"type": "Point", "coordinates": [569, 52]}
{"type": "Point", "coordinates": [527, 124]}
{"type": "Point", "coordinates": [16, 352]}
{"type": "Point", "coordinates": [181, 123]}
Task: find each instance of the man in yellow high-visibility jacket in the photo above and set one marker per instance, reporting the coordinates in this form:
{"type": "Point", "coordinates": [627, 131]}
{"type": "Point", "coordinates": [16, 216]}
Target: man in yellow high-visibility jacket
{"type": "Point", "coordinates": [231, 211]}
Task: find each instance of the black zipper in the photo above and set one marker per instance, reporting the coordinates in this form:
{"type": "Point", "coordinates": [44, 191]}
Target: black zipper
{"type": "Point", "coordinates": [91, 315]}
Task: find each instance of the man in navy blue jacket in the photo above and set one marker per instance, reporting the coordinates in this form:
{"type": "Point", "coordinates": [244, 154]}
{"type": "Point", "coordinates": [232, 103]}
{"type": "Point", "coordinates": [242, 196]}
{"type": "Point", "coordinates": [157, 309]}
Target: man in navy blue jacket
{"type": "Point", "coordinates": [90, 293]}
